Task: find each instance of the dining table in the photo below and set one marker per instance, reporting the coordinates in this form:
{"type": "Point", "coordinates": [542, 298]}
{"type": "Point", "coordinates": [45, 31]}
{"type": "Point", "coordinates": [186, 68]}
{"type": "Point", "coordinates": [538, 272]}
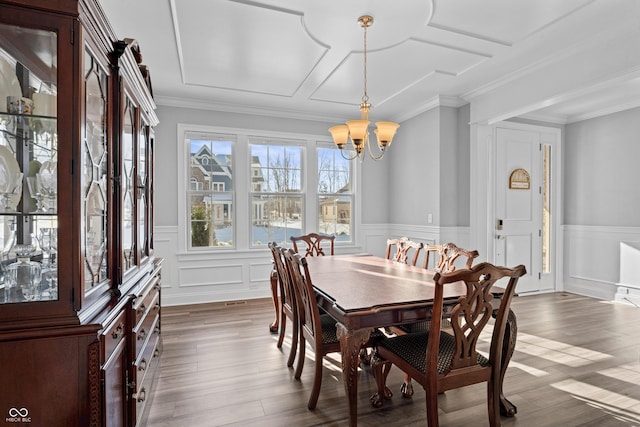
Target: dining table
{"type": "Point", "coordinates": [363, 292]}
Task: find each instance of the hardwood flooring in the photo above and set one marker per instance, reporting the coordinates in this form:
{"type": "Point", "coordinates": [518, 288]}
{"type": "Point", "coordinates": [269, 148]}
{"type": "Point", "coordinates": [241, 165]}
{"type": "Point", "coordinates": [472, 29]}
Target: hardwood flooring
{"type": "Point", "coordinates": [576, 363]}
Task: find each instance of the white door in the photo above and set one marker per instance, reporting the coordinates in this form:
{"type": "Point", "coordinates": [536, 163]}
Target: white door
{"type": "Point", "coordinates": [520, 194]}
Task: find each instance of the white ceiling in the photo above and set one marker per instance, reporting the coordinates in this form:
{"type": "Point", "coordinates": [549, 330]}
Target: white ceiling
{"type": "Point", "coordinates": [303, 58]}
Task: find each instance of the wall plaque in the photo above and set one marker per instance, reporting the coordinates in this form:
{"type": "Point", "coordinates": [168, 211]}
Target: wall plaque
{"type": "Point", "coordinates": [519, 180]}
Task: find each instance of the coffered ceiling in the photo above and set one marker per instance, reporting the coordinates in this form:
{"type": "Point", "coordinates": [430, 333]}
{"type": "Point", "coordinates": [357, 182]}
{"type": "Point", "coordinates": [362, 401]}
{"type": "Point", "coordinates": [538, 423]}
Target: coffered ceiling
{"type": "Point", "coordinates": [304, 58]}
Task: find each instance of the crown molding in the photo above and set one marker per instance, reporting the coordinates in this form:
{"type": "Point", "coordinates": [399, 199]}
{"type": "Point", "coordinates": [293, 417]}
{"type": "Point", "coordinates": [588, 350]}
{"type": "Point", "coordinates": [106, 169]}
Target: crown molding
{"type": "Point", "coordinates": [436, 101]}
{"type": "Point", "coordinates": [242, 109]}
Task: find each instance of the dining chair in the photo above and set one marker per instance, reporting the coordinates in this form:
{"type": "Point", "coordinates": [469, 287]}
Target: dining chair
{"type": "Point", "coordinates": [402, 248]}
{"type": "Point", "coordinates": [316, 328]}
{"type": "Point", "coordinates": [314, 243]}
{"type": "Point", "coordinates": [448, 253]}
{"type": "Point", "coordinates": [319, 330]}
{"type": "Point", "coordinates": [287, 304]}
{"type": "Point", "coordinates": [441, 360]}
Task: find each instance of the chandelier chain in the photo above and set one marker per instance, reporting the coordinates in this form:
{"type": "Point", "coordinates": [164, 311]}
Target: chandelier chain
{"type": "Point", "coordinates": [365, 97]}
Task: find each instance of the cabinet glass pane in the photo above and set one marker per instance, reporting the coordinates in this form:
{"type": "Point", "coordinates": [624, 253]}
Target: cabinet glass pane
{"type": "Point", "coordinates": [28, 165]}
{"type": "Point", "coordinates": [128, 187]}
{"type": "Point", "coordinates": [142, 191]}
{"type": "Point", "coordinates": [94, 173]}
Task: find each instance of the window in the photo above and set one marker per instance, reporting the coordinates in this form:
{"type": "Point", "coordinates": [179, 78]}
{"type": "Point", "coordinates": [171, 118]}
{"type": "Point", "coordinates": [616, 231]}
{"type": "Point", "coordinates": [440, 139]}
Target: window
{"type": "Point", "coordinates": [335, 194]}
{"type": "Point", "coordinates": [241, 189]}
{"type": "Point", "coordinates": [210, 196]}
{"type": "Point", "coordinates": [276, 190]}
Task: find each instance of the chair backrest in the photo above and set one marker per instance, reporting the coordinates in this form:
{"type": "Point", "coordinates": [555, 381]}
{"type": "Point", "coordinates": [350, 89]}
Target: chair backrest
{"type": "Point", "coordinates": [448, 253]}
{"type": "Point", "coordinates": [314, 243]}
{"type": "Point", "coordinates": [468, 318]}
{"type": "Point", "coordinates": [308, 311]}
{"type": "Point", "coordinates": [402, 248]}
{"type": "Point", "coordinates": [287, 295]}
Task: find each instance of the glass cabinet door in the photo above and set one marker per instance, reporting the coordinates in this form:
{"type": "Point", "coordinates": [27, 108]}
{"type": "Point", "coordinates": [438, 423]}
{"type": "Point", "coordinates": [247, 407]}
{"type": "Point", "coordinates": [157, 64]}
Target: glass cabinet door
{"type": "Point", "coordinates": [128, 185]}
{"type": "Point", "coordinates": [28, 165]}
{"type": "Point", "coordinates": [95, 179]}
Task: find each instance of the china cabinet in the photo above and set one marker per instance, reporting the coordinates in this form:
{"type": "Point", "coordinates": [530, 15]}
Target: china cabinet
{"type": "Point", "coordinates": [79, 282]}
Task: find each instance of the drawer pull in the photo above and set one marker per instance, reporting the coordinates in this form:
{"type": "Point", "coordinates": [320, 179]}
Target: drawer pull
{"type": "Point", "coordinates": [118, 331]}
{"type": "Point", "coordinates": [139, 397]}
{"type": "Point", "coordinates": [156, 330]}
{"type": "Point", "coordinates": [141, 309]}
{"type": "Point", "coordinates": [156, 353]}
{"type": "Point", "coordinates": [142, 334]}
{"type": "Point", "coordinates": [156, 307]}
{"type": "Point", "coordinates": [143, 365]}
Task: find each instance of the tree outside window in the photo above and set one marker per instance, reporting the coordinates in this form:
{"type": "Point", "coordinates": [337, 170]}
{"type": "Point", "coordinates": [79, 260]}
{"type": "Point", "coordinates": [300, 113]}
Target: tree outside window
{"type": "Point", "coordinates": [335, 194]}
{"type": "Point", "coordinates": [276, 184]}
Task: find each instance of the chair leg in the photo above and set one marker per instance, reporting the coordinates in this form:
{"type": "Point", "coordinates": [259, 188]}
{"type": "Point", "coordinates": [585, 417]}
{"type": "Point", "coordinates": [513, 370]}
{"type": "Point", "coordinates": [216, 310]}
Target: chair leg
{"type": "Point", "coordinates": [295, 333]}
{"type": "Point", "coordinates": [380, 370]}
{"type": "Point", "coordinates": [432, 408]}
{"type": "Point", "coordinates": [273, 327]}
{"type": "Point", "coordinates": [406, 388]}
{"type": "Point", "coordinates": [317, 382]}
{"type": "Point", "coordinates": [283, 327]}
{"type": "Point", "coordinates": [493, 403]}
{"type": "Point", "coordinates": [301, 356]}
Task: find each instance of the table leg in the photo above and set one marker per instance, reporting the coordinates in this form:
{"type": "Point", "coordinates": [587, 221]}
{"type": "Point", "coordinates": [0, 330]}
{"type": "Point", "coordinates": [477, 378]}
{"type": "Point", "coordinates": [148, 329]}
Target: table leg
{"type": "Point", "coordinates": [350, 343]}
{"type": "Point", "coordinates": [273, 327]}
{"type": "Point", "coordinates": [508, 345]}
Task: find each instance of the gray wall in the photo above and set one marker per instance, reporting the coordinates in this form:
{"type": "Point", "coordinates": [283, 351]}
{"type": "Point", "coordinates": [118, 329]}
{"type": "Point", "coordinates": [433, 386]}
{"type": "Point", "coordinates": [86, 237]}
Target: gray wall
{"type": "Point", "coordinates": [430, 169]}
{"type": "Point", "coordinates": [415, 170]}
{"type": "Point", "coordinates": [600, 170]}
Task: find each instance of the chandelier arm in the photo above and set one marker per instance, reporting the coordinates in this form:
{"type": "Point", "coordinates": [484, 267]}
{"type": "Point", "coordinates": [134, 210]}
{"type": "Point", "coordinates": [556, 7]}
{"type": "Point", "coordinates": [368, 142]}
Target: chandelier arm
{"type": "Point", "coordinates": [347, 157]}
{"type": "Point", "coordinates": [373, 156]}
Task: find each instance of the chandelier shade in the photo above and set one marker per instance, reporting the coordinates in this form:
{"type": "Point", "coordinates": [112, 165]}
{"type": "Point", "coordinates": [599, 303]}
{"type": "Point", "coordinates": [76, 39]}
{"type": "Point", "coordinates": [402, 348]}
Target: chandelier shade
{"type": "Point", "coordinates": [358, 130]}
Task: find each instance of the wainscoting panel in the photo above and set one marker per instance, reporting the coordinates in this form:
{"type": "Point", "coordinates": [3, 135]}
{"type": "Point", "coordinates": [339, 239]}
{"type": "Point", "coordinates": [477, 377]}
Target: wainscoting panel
{"type": "Point", "coordinates": [592, 259]}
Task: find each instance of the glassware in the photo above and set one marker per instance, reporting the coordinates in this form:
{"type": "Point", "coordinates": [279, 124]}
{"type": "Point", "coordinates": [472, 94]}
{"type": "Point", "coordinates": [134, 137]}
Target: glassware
{"type": "Point", "coordinates": [34, 190]}
{"type": "Point", "coordinates": [48, 241]}
{"type": "Point", "coordinates": [25, 274]}
{"type": "Point", "coordinates": [48, 183]}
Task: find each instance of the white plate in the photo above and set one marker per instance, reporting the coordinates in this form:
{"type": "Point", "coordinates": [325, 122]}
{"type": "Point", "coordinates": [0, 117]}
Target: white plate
{"type": "Point", "coordinates": [9, 84]}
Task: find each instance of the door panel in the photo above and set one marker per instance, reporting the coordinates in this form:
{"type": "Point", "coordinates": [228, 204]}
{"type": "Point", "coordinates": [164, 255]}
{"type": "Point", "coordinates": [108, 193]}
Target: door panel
{"type": "Point", "coordinates": [518, 208]}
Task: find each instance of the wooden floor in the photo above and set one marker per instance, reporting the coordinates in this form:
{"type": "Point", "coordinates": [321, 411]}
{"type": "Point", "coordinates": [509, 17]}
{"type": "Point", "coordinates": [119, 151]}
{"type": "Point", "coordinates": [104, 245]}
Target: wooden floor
{"type": "Point", "coordinates": [577, 363]}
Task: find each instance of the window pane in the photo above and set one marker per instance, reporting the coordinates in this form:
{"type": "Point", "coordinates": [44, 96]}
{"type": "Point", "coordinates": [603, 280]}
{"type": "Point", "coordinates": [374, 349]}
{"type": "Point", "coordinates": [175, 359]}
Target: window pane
{"type": "Point", "coordinates": [275, 218]}
{"type": "Point", "coordinates": [334, 216]}
{"type": "Point", "coordinates": [210, 189]}
{"type": "Point", "coordinates": [276, 168]}
{"type": "Point", "coordinates": [334, 172]}
{"type": "Point", "coordinates": [335, 197]}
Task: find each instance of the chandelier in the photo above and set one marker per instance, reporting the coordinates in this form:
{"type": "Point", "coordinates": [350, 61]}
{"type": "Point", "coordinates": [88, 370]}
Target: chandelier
{"type": "Point", "coordinates": [358, 130]}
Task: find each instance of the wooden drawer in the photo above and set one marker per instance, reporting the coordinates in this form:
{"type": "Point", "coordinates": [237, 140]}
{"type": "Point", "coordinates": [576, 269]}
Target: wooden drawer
{"type": "Point", "coordinates": [144, 375]}
{"type": "Point", "coordinates": [112, 335]}
{"type": "Point", "coordinates": [145, 301]}
{"type": "Point", "coordinates": [149, 325]}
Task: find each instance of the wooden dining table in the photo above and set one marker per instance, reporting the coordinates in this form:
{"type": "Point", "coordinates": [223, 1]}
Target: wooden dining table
{"type": "Point", "coordinates": [363, 292]}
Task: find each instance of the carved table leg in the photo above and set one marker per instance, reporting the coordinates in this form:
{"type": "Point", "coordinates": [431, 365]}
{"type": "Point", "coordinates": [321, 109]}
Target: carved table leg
{"type": "Point", "coordinates": [508, 345]}
{"type": "Point", "coordinates": [273, 327]}
{"type": "Point", "coordinates": [350, 344]}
